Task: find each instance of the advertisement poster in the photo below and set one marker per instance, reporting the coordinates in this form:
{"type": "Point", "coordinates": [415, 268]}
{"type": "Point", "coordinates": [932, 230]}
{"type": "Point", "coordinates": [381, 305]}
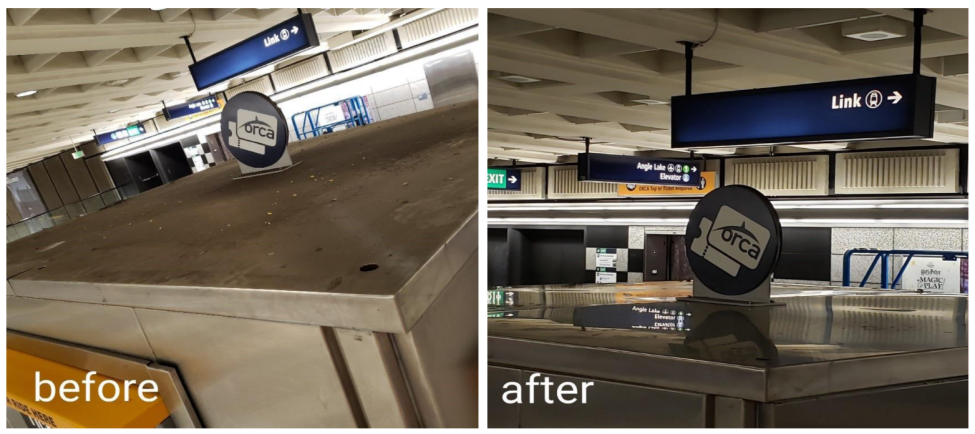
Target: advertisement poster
{"type": "Point", "coordinates": [933, 275]}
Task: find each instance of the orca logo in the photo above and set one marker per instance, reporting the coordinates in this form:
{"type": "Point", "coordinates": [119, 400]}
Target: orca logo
{"type": "Point", "coordinates": [733, 240]}
{"type": "Point", "coordinates": [254, 130]}
{"type": "Point", "coordinates": [255, 133]}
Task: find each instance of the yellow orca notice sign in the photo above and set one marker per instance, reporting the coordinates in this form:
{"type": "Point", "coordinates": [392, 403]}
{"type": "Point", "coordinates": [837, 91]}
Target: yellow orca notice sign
{"type": "Point", "coordinates": [707, 185]}
{"type": "Point", "coordinates": [83, 408]}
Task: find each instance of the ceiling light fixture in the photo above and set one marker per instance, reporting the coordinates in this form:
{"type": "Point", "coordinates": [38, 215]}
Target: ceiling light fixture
{"type": "Point", "coordinates": [113, 111]}
{"type": "Point", "coordinates": [26, 93]}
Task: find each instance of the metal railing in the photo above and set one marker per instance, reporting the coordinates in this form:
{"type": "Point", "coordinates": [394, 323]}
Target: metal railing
{"type": "Point", "coordinates": [884, 257]}
{"type": "Point", "coordinates": [69, 212]}
{"type": "Point", "coordinates": [354, 115]}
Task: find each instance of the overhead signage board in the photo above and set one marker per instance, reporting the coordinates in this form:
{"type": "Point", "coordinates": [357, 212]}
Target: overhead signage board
{"type": "Point", "coordinates": [125, 133]}
{"type": "Point", "coordinates": [894, 107]}
{"type": "Point", "coordinates": [733, 242]}
{"type": "Point", "coordinates": [705, 186]}
{"type": "Point", "coordinates": [256, 132]}
{"type": "Point", "coordinates": [504, 179]}
{"type": "Point", "coordinates": [638, 170]}
{"type": "Point", "coordinates": [283, 40]}
{"type": "Point", "coordinates": [210, 104]}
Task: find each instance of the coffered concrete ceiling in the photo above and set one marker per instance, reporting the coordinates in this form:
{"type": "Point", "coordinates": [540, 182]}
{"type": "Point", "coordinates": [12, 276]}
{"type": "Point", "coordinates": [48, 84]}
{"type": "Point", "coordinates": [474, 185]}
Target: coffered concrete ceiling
{"type": "Point", "coordinates": [101, 69]}
{"type": "Point", "coordinates": [558, 74]}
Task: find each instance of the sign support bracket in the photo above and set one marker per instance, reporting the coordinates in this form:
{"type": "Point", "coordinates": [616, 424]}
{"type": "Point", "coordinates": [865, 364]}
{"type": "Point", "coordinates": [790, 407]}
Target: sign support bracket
{"type": "Point", "coordinates": [918, 24]}
{"type": "Point", "coordinates": [189, 47]}
{"type": "Point", "coordinates": [688, 63]}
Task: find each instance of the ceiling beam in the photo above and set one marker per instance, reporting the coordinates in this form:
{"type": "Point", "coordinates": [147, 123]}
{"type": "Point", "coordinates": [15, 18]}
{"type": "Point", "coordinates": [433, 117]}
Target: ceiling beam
{"type": "Point", "coordinates": [99, 16]}
{"type": "Point", "coordinates": [167, 15]}
{"type": "Point", "coordinates": [33, 62]}
{"type": "Point", "coordinates": [21, 16]}
{"type": "Point", "coordinates": [772, 20]}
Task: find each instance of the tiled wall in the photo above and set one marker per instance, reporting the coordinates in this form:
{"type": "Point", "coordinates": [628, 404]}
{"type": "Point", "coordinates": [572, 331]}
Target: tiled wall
{"type": "Point", "coordinates": [398, 96]}
{"type": "Point", "coordinates": [844, 239]}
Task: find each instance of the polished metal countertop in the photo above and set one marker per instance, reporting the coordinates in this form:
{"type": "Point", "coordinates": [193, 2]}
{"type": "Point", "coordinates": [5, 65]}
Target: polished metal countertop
{"type": "Point", "coordinates": [821, 340]}
{"type": "Point", "coordinates": [288, 247]}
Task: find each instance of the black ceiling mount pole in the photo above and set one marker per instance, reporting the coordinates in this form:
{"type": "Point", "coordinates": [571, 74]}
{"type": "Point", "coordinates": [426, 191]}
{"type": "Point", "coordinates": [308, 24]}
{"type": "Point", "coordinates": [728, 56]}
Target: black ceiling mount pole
{"type": "Point", "coordinates": [587, 144]}
{"type": "Point", "coordinates": [189, 47]}
{"type": "Point", "coordinates": [688, 61]}
{"type": "Point", "coordinates": [918, 23]}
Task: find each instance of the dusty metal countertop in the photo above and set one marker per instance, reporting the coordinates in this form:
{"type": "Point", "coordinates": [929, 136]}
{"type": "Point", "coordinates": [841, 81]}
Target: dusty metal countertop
{"type": "Point", "coordinates": [823, 340]}
{"type": "Point", "coordinates": [401, 194]}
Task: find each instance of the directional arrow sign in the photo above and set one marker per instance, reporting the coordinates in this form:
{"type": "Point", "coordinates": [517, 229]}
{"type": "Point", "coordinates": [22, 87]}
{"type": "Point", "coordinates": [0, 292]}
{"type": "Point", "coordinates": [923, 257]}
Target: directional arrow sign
{"type": "Point", "coordinates": [896, 97]}
{"type": "Point", "coordinates": [840, 111]}
{"type": "Point", "coordinates": [504, 179]}
{"type": "Point", "coordinates": [294, 30]}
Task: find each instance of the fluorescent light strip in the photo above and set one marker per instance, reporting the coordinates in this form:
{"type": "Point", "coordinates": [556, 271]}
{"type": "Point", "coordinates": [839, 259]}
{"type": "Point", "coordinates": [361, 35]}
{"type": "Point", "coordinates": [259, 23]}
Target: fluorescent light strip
{"type": "Point", "coordinates": [571, 221]}
{"type": "Point", "coordinates": [781, 205]}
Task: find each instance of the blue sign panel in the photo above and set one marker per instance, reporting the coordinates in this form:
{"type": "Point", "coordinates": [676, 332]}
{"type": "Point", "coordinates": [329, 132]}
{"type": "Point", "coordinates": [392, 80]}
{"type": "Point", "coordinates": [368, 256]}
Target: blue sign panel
{"type": "Point", "coordinates": [285, 39]}
{"type": "Point", "coordinates": [892, 107]}
{"type": "Point", "coordinates": [624, 169]}
{"type": "Point", "coordinates": [191, 107]}
{"type": "Point", "coordinates": [134, 130]}
{"type": "Point", "coordinates": [504, 179]}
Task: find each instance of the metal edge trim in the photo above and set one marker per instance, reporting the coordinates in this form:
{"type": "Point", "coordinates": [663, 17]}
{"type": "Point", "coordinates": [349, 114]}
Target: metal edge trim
{"type": "Point", "coordinates": [629, 367]}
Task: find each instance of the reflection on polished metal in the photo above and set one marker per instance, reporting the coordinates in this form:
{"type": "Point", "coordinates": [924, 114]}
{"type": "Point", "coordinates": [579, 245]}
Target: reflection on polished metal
{"type": "Point", "coordinates": [825, 342]}
{"type": "Point", "coordinates": [115, 366]}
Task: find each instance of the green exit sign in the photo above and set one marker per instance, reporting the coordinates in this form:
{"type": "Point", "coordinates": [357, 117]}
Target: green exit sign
{"type": "Point", "coordinates": [78, 154]}
{"type": "Point", "coordinates": [504, 179]}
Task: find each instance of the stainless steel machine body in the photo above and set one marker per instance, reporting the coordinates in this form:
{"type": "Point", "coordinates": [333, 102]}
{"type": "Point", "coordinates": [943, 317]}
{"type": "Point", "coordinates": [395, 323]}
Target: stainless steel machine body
{"type": "Point", "coordinates": [340, 293]}
{"type": "Point", "coordinates": [826, 358]}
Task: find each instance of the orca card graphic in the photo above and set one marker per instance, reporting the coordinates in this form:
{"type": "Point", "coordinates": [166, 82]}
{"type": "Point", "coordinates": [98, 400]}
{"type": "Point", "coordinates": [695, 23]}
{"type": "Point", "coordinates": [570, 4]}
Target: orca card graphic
{"type": "Point", "coordinates": [254, 129]}
{"type": "Point", "coordinates": [733, 240]}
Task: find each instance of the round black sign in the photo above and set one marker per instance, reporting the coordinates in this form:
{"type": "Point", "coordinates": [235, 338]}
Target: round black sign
{"type": "Point", "coordinates": [733, 240]}
{"type": "Point", "coordinates": [254, 129]}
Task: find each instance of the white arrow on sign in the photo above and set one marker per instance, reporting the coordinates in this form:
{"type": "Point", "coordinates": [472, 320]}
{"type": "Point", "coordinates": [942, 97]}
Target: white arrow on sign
{"type": "Point", "coordinates": [896, 97]}
{"type": "Point", "coordinates": [693, 168]}
{"type": "Point", "coordinates": [294, 30]}
{"type": "Point", "coordinates": [512, 179]}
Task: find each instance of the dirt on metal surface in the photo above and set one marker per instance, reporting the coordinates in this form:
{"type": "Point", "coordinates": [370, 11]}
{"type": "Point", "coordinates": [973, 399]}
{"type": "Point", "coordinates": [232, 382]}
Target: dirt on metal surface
{"type": "Point", "coordinates": [361, 214]}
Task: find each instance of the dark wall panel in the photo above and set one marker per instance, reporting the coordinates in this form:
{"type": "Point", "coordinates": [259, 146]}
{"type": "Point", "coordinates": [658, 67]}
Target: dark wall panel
{"type": "Point", "coordinates": [607, 236]}
{"type": "Point", "coordinates": [99, 173]}
{"type": "Point", "coordinates": [543, 256]}
{"type": "Point", "coordinates": [497, 271]}
{"type": "Point", "coordinates": [62, 182]}
{"type": "Point", "coordinates": [145, 175]}
{"type": "Point", "coordinates": [42, 180]}
{"type": "Point", "coordinates": [171, 162]}
{"type": "Point", "coordinates": [805, 254]}
{"type": "Point", "coordinates": [13, 215]}
{"type": "Point", "coordinates": [78, 172]}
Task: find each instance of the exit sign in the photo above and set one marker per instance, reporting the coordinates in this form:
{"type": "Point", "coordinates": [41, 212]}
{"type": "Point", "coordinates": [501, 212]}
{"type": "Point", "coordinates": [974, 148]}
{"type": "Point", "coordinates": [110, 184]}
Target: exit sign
{"type": "Point", "coordinates": [504, 179]}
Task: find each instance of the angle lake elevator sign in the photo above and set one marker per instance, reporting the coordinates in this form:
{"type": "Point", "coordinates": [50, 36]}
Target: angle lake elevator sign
{"type": "Point", "coordinates": [895, 107]}
{"type": "Point", "coordinates": [637, 170]}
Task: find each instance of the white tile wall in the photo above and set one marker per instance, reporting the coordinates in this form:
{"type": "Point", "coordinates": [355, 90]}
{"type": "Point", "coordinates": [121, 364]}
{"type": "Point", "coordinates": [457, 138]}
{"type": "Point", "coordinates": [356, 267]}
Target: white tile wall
{"type": "Point", "coordinates": [927, 239]}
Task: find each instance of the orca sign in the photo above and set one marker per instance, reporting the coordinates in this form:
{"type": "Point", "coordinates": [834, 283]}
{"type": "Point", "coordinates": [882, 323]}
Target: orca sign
{"type": "Point", "coordinates": [255, 131]}
{"type": "Point", "coordinates": [733, 242]}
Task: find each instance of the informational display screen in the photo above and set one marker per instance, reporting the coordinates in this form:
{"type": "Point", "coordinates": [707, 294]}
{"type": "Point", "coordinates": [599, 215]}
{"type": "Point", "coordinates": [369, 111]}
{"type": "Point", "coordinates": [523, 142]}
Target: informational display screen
{"type": "Point", "coordinates": [191, 108]}
{"type": "Point", "coordinates": [133, 131]}
{"type": "Point", "coordinates": [285, 39]}
{"type": "Point", "coordinates": [504, 179]}
{"type": "Point", "coordinates": [606, 258]}
{"type": "Point", "coordinates": [637, 170]}
{"type": "Point", "coordinates": [891, 107]}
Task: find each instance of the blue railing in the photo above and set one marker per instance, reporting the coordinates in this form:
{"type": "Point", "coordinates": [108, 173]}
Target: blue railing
{"type": "Point", "coordinates": [884, 256]}
{"type": "Point", "coordinates": [310, 124]}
